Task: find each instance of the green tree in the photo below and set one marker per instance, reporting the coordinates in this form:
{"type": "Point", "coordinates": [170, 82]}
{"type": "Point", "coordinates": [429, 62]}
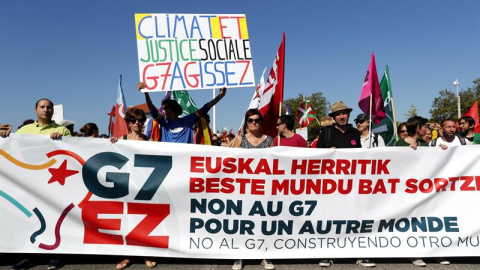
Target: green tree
{"type": "Point", "coordinates": [445, 105]}
{"type": "Point", "coordinates": [319, 106]}
{"type": "Point", "coordinates": [412, 111]}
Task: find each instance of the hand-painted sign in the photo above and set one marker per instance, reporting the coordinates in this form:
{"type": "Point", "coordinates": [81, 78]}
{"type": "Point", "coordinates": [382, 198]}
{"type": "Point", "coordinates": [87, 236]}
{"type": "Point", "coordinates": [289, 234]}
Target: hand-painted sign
{"type": "Point", "coordinates": [189, 51]}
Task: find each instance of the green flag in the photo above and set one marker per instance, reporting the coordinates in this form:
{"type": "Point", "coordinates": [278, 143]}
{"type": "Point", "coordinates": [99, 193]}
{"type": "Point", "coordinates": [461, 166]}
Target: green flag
{"type": "Point", "coordinates": [386, 128]}
{"type": "Point", "coordinates": [184, 99]}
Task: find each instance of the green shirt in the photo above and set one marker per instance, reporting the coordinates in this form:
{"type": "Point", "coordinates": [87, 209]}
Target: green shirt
{"type": "Point", "coordinates": [35, 128]}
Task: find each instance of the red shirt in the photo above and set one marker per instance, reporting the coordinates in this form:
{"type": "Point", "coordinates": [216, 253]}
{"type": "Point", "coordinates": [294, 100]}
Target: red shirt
{"type": "Point", "coordinates": [294, 141]}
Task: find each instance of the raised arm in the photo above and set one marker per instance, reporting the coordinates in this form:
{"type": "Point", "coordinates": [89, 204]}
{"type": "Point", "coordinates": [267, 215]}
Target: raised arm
{"type": "Point", "coordinates": [214, 101]}
{"type": "Point", "coordinates": [151, 107]}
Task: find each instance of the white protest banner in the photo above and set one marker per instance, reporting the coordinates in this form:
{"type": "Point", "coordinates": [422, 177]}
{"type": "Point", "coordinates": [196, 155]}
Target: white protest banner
{"type": "Point", "coordinates": [88, 196]}
{"type": "Point", "coordinates": [193, 51]}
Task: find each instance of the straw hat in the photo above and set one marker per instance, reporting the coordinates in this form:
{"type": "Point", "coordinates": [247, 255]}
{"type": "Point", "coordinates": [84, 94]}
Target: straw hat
{"type": "Point", "coordinates": [326, 121]}
{"type": "Point", "coordinates": [339, 106]}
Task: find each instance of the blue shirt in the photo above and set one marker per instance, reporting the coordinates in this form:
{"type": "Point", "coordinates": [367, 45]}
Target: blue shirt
{"type": "Point", "coordinates": [181, 130]}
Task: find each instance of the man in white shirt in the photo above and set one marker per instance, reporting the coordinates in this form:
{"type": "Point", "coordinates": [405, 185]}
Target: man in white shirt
{"type": "Point", "coordinates": [449, 138]}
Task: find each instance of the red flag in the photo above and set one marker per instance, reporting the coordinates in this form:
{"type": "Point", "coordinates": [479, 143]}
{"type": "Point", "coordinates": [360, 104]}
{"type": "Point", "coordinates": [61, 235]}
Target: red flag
{"type": "Point", "coordinates": [120, 127]}
{"type": "Point", "coordinates": [305, 114]}
{"type": "Point", "coordinates": [372, 87]}
{"type": "Point", "coordinates": [473, 112]}
{"type": "Point", "coordinates": [272, 95]}
{"type": "Point", "coordinates": [111, 123]}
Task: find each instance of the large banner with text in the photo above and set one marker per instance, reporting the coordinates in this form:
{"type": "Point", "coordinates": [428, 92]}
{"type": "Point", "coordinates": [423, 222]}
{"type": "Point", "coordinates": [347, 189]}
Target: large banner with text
{"type": "Point", "coordinates": [89, 196]}
{"type": "Point", "coordinates": [193, 51]}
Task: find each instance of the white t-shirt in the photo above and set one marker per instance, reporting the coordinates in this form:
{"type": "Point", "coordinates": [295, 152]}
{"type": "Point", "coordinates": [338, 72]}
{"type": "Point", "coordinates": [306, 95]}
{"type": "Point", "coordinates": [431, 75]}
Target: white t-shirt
{"type": "Point", "coordinates": [455, 142]}
{"type": "Point", "coordinates": [365, 141]}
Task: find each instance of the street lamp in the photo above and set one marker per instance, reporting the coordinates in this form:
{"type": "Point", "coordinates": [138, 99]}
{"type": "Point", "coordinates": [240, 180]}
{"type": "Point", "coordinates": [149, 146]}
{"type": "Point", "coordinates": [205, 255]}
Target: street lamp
{"type": "Point", "coordinates": [456, 83]}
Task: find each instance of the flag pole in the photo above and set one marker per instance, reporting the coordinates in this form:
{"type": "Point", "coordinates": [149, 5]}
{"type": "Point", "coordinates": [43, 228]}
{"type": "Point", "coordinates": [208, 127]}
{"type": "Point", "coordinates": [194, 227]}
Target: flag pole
{"type": "Point", "coordinates": [391, 101]}
{"type": "Point", "coordinates": [279, 114]}
{"type": "Point", "coordinates": [394, 120]}
{"type": "Point", "coordinates": [370, 122]}
{"type": "Point", "coordinates": [214, 113]}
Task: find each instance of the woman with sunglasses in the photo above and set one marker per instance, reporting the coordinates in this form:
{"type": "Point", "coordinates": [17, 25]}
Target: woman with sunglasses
{"type": "Point", "coordinates": [135, 119]}
{"type": "Point", "coordinates": [402, 130]}
{"type": "Point", "coordinates": [251, 136]}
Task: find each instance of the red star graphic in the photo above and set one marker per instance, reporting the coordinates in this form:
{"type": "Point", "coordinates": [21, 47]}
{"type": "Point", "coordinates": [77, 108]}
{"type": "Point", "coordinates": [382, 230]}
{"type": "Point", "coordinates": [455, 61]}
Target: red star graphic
{"type": "Point", "coordinates": [60, 173]}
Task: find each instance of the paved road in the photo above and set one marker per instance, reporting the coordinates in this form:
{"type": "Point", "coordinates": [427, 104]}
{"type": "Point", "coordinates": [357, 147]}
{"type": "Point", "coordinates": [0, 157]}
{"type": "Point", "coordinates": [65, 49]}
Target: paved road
{"type": "Point", "coordinates": [90, 262]}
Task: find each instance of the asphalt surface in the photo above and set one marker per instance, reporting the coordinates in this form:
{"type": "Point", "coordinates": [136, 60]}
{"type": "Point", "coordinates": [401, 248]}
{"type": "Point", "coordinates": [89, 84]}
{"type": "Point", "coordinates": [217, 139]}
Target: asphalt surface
{"type": "Point", "coordinates": [91, 262]}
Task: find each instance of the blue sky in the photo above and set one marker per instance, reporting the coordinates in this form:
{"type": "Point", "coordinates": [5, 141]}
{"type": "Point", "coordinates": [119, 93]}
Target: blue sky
{"type": "Point", "coordinates": [73, 51]}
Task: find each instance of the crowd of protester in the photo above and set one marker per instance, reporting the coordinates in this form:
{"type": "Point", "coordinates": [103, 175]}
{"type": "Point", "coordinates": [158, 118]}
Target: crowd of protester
{"type": "Point", "coordinates": [334, 131]}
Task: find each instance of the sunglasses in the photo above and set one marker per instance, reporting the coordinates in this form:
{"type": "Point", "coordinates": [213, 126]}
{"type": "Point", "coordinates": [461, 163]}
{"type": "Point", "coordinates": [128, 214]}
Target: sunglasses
{"type": "Point", "coordinates": [254, 120]}
{"type": "Point", "coordinates": [403, 131]}
{"type": "Point", "coordinates": [133, 121]}
{"type": "Point", "coordinates": [278, 124]}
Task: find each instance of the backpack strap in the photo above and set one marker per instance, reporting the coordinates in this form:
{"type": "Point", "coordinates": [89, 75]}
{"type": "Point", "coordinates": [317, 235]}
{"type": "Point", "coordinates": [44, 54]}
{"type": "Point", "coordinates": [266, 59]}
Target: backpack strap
{"type": "Point", "coordinates": [375, 140]}
{"type": "Point", "coordinates": [328, 135]}
{"type": "Point", "coordinates": [462, 140]}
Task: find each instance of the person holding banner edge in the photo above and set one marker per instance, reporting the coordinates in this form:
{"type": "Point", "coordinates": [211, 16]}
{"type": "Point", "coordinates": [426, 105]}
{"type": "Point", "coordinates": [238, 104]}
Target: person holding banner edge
{"type": "Point", "coordinates": [43, 126]}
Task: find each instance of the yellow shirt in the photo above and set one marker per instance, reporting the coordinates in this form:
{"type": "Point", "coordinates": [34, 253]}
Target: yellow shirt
{"type": "Point", "coordinates": [35, 128]}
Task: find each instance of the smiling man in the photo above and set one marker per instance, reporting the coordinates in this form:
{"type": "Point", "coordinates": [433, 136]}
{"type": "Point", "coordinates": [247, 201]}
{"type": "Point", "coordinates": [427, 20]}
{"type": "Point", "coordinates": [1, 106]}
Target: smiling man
{"type": "Point", "coordinates": [341, 134]}
{"type": "Point", "coordinates": [449, 137]}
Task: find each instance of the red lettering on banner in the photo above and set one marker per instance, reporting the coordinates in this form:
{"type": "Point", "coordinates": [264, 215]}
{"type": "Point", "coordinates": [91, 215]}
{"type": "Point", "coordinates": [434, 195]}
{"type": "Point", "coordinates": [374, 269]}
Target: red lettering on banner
{"type": "Point", "coordinates": [365, 186]}
{"type": "Point", "coordinates": [382, 167]}
{"type": "Point", "coordinates": [441, 184]}
{"type": "Point", "coordinates": [154, 215]}
{"type": "Point", "coordinates": [453, 180]}
{"type": "Point", "coordinates": [327, 166]}
{"type": "Point", "coordinates": [363, 165]}
{"type": "Point", "coordinates": [411, 186]}
{"type": "Point", "coordinates": [139, 236]}
{"type": "Point", "coordinates": [232, 165]}
{"type": "Point", "coordinates": [196, 164]}
{"type": "Point", "coordinates": [298, 166]}
{"type": "Point", "coordinates": [466, 185]}
{"type": "Point", "coordinates": [393, 183]}
{"type": "Point", "coordinates": [314, 166]}
{"type": "Point", "coordinates": [227, 185]}
{"type": "Point", "coordinates": [93, 224]}
{"type": "Point", "coordinates": [342, 166]}
{"type": "Point", "coordinates": [311, 186]}
{"type": "Point", "coordinates": [229, 164]}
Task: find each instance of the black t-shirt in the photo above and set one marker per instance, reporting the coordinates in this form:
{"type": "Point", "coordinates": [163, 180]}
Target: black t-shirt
{"type": "Point", "coordinates": [332, 137]}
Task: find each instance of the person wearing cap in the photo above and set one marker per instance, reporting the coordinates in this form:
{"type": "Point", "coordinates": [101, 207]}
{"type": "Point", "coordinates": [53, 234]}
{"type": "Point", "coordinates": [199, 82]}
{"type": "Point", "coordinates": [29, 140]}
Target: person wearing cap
{"type": "Point", "coordinates": [341, 134]}
{"type": "Point", "coordinates": [367, 139]}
